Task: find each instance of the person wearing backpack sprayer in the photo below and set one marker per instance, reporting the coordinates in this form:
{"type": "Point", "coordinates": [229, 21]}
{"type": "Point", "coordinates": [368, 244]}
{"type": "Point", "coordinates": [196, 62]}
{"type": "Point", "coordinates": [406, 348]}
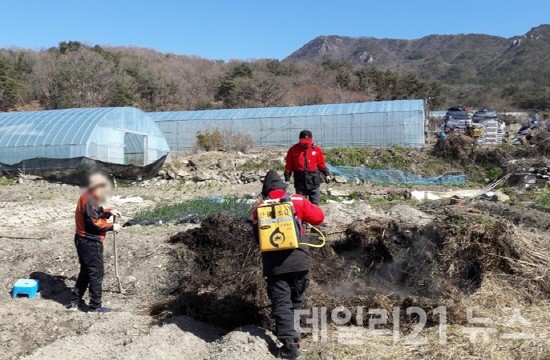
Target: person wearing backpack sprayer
{"type": "Point", "coordinates": [278, 228]}
{"type": "Point", "coordinates": [306, 161]}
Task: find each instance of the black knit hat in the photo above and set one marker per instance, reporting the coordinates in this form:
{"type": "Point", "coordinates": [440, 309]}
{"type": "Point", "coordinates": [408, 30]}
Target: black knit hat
{"type": "Point", "coordinates": [272, 182]}
{"type": "Point", "coordinates": [306, 134]}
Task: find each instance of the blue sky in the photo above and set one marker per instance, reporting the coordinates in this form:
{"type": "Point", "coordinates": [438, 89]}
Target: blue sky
{"type": "Point", "coordinates": [248, 29]}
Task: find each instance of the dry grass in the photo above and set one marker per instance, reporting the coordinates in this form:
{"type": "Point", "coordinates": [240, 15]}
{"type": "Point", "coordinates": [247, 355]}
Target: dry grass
{"type": "Point", "coordinates": [494, 300]}
{"type": "Point", "coordinates": [516, 278]}
{"type": "Point", "coordinates": [500, 247]}
{"type": "Point", "coordinates": [223, 140]}
{"type": "Point", "coordinates": [178, 162]}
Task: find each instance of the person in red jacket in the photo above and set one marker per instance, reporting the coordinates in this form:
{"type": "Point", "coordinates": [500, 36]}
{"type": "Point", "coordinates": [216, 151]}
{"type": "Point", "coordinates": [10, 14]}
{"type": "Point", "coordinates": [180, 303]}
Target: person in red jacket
{"type": "Point", "coordinates": [306, 161]}
{"type": "Point", "coordinates": [287, 271]}
{"type": "Point", "coordinates": [92, 223]}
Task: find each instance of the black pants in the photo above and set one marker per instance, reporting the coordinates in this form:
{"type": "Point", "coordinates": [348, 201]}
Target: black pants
{"type": "Point", "coordinates": [308, 184]}
{"type": "Point", "coordinates": [286, 292]}
{"type": "Point", "coordinates": [90, 256]}
{"type": "Point", "coordinates": [313, 195]}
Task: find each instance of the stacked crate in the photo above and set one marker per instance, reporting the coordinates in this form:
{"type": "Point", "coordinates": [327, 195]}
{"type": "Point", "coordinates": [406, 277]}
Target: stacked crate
{"type": "Point", "coordinates": [492, 130]}
{"type": "Point", "coordinates": [458, 119]}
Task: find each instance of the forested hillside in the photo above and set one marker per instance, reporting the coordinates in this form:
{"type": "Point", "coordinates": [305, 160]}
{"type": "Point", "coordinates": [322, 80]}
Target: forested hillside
{"type": "Point", "coordinates": [477, 70]}
{"type": "Point", "coordinates": [76, 75]}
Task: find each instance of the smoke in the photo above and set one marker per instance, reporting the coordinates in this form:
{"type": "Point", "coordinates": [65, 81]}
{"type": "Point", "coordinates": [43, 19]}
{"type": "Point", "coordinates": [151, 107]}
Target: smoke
{"type": "Point", "coordinates": [403, 263]}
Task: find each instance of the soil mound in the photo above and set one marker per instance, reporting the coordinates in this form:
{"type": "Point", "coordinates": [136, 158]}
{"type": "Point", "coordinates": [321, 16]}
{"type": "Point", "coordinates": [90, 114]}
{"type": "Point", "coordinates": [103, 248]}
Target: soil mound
{"type": "Point", "coordinates": [527, 217]}
{"type": "Point", "coordinates": [380, 264]}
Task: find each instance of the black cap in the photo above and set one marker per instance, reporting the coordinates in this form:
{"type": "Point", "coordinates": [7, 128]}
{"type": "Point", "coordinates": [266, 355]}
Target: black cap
{"type": "Point", "coordinates": [306, 134]}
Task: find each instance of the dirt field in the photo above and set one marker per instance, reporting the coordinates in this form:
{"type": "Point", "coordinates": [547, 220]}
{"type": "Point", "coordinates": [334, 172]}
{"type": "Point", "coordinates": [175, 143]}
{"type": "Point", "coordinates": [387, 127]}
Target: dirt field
{"type": "Point", "coordinates": [36, 230]}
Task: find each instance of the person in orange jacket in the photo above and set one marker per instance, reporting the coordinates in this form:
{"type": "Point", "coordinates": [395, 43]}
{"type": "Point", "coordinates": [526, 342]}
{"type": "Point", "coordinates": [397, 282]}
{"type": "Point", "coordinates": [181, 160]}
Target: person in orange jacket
{"type": "Point", "coordinates": [92, 221]}
{"type": "Point", "coordinates": [306, 161]}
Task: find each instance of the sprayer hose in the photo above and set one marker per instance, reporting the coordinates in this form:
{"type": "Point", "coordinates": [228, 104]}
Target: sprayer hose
{"type": "Point", "coordinates": [323, 238]}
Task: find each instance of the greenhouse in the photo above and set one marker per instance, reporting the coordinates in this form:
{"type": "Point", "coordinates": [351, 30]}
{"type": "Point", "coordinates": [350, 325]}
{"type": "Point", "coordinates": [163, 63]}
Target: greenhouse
{"type": "Point", "coordinates": [375, 124]}
{"type": "Point", "coordinates": [65, 139]}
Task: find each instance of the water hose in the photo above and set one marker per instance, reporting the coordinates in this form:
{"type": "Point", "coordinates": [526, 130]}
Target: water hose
{"type": "Point", "coordinates": [323, 238]}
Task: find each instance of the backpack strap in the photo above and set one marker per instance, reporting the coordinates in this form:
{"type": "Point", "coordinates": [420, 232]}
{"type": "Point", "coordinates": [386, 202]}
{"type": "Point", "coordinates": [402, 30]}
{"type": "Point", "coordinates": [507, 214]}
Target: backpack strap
{"type": "Point", "coordinates": [286, 198]}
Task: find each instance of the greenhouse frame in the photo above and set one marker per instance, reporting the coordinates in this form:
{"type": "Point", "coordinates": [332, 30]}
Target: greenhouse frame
{"type": "Point", "coordinates": [375, 124]}
{"type": "Point", "coordinates": [42, 140]}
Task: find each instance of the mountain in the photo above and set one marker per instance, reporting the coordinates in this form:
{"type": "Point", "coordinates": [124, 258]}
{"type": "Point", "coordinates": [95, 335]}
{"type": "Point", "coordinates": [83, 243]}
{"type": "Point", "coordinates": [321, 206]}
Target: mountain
{"type": "Point", "coordinates": [463, 58]}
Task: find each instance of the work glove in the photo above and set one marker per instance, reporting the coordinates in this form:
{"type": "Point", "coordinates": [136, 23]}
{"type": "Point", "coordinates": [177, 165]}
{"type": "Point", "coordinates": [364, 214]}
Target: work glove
{"type": "Point", "coordinates": [116, 213]}
{"type": "Point", "coordinates": [328, 179]}
{"type": "Point", "coordinates": [287, 177]}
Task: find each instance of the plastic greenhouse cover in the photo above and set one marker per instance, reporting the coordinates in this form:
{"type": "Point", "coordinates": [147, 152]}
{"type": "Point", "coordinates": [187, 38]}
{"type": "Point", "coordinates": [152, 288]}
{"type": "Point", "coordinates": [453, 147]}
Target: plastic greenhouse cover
{"type": "Point", "coordinates": [395, 177]}
{"type": "Point", "coordinates": [73, 133]}
{"type": "Point", "coordinates": [376, 124]}
{"type": "Point", "coordinates": [292, 111]}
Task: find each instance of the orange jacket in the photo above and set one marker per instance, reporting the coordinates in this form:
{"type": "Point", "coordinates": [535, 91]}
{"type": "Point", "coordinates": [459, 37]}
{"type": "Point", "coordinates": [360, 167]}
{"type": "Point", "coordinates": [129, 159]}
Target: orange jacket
{"type": "Point", "coordinates": [91, 219]}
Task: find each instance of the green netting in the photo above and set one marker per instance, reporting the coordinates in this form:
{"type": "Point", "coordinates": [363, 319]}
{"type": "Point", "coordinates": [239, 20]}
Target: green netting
{"type": "Point", "coordinates": [380, 176]}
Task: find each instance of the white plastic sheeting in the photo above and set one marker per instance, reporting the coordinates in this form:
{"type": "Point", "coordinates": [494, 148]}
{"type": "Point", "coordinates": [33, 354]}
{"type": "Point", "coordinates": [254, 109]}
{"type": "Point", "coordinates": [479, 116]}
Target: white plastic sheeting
{"type": "Point", "coordinates": [376, 124]}
{"type": "Point", "coordinates": [113, 135]}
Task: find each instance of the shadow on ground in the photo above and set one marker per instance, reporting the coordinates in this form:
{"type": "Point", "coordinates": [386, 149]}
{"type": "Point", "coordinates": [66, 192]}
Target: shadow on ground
{"type": "Point", "coordinates": [52, 287]}
{"type": "Point", "coordinates": [206, 332]}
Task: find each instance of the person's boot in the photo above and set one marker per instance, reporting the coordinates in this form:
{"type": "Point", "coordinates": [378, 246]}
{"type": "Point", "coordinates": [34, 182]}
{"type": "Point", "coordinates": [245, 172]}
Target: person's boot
{"type": "Point", "coordinates": [76, 305]}
{"type": "Point", "coordinates": [100, 310]}
{"type": "Point", "coordinates": [289, 350]}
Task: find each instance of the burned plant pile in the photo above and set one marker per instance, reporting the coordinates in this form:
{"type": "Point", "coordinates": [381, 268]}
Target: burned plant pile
{"type": "Point", "coordinates": [224, 285]}
{"type": "Point", "coordinates": [464, 149]}
{"type": "Point", "coordinates": [380, 264]}
{"type": "Point", "coordinates": [447, 258]}
{"type": "Point", "coordinates": [541, 142]}
{"type": "Point", "coordinates": [456, 146]}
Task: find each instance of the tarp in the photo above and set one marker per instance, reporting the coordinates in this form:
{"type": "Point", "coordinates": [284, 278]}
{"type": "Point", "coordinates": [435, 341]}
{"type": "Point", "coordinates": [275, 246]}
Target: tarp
{"type": "Point", "coordinates": [72, 171]}
{"type": "Point", "coordinates": [396, 177]}
{"type": "Point", "coordinates": [485, 114]}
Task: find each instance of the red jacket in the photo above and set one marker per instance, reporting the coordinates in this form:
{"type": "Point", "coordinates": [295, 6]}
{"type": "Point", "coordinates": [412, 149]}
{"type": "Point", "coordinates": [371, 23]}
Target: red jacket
{"type": "Point", "coordinates": [91, 219]}
{"type": "Point", "coordinates": [297, 156]}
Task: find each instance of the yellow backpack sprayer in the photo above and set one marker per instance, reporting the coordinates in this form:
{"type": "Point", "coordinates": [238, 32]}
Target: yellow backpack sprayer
{"type": "Point", "coordinates": [279, 228]}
